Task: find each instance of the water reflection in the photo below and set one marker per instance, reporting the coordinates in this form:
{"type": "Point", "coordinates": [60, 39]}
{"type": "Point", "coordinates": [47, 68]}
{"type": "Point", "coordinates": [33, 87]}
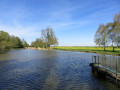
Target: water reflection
{"type": "Point", "coordinates": [49, 70]}
{"type": "Point", "coordinates": [111, 62]}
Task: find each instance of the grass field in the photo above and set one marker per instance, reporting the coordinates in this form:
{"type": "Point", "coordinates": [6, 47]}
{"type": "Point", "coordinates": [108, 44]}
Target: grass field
{"type": "Point", "coordinates": [90, 50]}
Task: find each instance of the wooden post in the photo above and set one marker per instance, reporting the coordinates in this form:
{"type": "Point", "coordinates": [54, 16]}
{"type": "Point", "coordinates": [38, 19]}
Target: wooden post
{"type": "Point", "coordinates": [105, 62]}
{"type": "Point", "coordinates": [95, 58]}
{"type": "Point", "coordinates": [92, 58]}
{"type": "Point", "coordinates": [98, 61]}
{"type": "Point", "coordinates": [110, 61]}
{"type": "Point", "coordinates": [102, 61]}
{"type": "Point", "coordinates": [116, 69]}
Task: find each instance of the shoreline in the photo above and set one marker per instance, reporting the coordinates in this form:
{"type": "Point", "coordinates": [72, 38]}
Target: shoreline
{"type": "Point", "coordinates": [88, 51]}
{"type": "Point", "coordinates": [37, 48]}
{"type": "Point", "coordinates": [107, 52]}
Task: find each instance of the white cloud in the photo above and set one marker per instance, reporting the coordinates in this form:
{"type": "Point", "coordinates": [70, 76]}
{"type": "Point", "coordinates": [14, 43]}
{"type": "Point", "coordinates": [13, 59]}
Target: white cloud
{"type": "Point", "coordinates": [35, 30]}
{"type": "Point", "coordinates": [19, 30]}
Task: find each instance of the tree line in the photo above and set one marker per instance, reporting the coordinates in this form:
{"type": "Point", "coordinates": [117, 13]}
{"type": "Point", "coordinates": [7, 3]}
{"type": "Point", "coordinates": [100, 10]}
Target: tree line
{"type": "Point", "coordinates": [10, 41]}
{"type": "Point", "coordinates": [109, 34]}
{"type": "Point", "coordinates": [47, 39]}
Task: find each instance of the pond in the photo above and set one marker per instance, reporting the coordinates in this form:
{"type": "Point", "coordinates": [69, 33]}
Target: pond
{"type": "Point", "coordinates": [49, 70]}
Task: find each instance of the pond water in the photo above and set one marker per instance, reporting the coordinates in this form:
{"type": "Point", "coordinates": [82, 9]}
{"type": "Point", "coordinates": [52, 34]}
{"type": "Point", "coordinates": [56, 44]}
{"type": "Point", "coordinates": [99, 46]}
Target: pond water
{"type": "Point", "coordinates": [24, 69]}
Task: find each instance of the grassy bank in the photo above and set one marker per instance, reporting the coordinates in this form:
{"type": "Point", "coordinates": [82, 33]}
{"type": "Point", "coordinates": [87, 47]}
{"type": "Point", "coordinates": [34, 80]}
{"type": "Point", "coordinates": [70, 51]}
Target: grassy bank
{"type": "Point", "coordinates": [90, 50]}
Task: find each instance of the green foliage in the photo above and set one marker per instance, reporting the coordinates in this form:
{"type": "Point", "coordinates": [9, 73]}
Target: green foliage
{"type": "Point", "coordinates": [101, 37]}
{"type": "Point", "coordinates": [109, 34]}
{"type": "Point", "coordinates": [4, 40]}
{"type": "Point", "coordinates": [47, 39]}
{"type": "Point", "coordinates": [38, 43]}
{"type": "Point", "coordinates": [10, 41]}
{"type": "Point", "coordinates": [25, 44]}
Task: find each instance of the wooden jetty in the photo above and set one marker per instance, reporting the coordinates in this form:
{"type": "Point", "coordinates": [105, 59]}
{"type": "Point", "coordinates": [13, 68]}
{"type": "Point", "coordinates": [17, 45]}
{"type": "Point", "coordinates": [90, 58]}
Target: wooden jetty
{"type": "Point", "coordinates": [104, 72]}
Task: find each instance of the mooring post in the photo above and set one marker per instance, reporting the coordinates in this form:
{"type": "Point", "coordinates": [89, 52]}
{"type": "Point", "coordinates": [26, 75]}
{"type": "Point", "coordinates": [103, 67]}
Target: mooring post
{"type": "Point", "coordinates": [95, 58]}
{"type": "Point", "coordinates": [102, 61]}
{"type": "Point", "coordinates": [92, 58]}
{"type": "Point", "coordinates": [98, 61]}
{"type": "Point", "coordinates": [110, 62]}
{"type": "Point", "coordinates": [105, 62]}
{"type": "Point", "coordinates": [116, 69]}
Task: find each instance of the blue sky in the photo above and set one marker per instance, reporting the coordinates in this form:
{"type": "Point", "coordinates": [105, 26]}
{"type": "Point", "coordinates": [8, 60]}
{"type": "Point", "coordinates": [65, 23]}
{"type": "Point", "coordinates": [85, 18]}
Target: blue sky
{"type": "Point", "coordinates": [74, 21]}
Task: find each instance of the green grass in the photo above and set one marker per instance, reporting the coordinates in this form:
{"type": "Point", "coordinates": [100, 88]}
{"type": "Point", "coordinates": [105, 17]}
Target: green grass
{"type": "Point", "coordinates": [91, 50]}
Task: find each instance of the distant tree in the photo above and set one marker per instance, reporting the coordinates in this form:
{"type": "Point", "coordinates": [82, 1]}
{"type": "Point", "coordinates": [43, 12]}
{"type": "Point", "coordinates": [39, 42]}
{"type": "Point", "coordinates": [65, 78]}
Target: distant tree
{"type": "Point", "coordinates": [97, 37]}
{"type": "Point", "coordinates": [41, 43]}
{"type": "Point", "coordinates": [20, 44]}
{"type": "Point", "coordinates": [10, 41]}
{"type": "Point", "coordinates": [109, 34]}
{"type": "Point", "coordinates": [101, 37]}
{"type": "Point", "coordinates": [32, 44]}
{"type": "Point", "coordinates": [25, 44]}
{"type": "Point", "coordinates": [4, 40]}
{"type": "Point", "coordinates": [116, 20]}
{"type": "Point", "coordinates": [16, 42]}
{"type": "Point", "coordinates": [48, 37]}
{"type": "Point", "coordinates": [117, 37]}
{"type": "Point", "coordinates": [112, 33]}
{"type": "Point", "coordinates": [38, 43]}
{"type": "Point", "coordinates": [97, 41]}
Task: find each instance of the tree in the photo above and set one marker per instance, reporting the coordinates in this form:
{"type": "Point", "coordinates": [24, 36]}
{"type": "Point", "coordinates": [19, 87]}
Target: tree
{"type": "Point", "coordinates": [117, 37]}
{"type": "Point", "coordinates": [101, 37]}
{"type": "Point", "coordinates": [109, 34]}
{"type": "Point", "coordinates": [25, 44]}
{"type": "Point", "coordinates": [16, 42]}
{"type": "Point", "coordinates": [116, 20]}
{"type": "Point", "coordinates": [38, 43]}
{"type": "Point", "coordinates": [97, 37]}
{"type": "Point", "coordinates": [10, 41]}
{"type": "Point", "coordinates": [48, 37]}
{"type": "Point", "coordinates": [4, 40]}
{"type": "Point", "coordinates": [112, 33]}
{"type": "Point", "coordinates": [41, 43]}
